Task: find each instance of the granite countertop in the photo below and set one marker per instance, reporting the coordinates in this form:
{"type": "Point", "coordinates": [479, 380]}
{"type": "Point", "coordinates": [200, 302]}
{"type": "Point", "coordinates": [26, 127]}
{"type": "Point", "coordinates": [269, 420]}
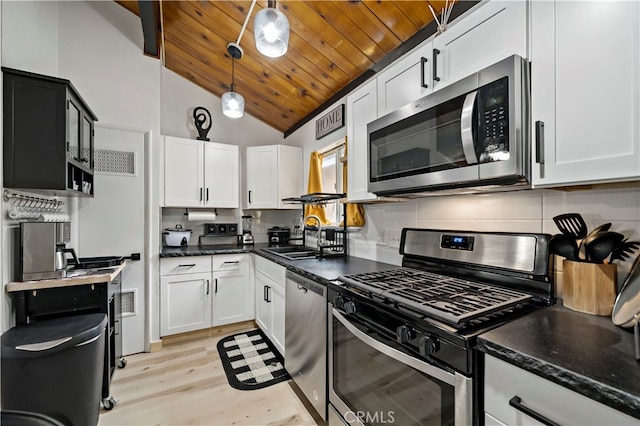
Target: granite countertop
{"type": "Point", "coordinates": [585, 353]}
{"type": "Point", "coordinates": [320, 270]}
{"type": "Point", "coordinates": [89, 276]}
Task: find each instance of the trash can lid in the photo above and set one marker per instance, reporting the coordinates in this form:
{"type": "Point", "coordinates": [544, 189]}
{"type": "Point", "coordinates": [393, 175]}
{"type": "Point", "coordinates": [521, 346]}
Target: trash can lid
{"type": "Point", "coordinates": [53, 334]}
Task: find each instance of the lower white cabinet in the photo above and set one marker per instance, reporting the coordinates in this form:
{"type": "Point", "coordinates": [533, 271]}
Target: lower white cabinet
{"type": "Point", "coordinates": [193, 299]}
{"type": "Point", "coordinates": [270, 300]}
{"type": "Point", "coordinates": [504, 382]}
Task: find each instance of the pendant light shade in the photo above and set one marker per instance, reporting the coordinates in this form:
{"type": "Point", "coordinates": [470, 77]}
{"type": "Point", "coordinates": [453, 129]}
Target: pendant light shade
{"type": "Point", "coordinates": [271, 28]}
{"type": "Point", "coordinates": [233, 102]}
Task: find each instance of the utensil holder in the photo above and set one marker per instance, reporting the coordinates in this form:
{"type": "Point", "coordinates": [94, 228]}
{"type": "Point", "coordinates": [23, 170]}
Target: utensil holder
{"type": "Point", "coordinates": [589, 287]}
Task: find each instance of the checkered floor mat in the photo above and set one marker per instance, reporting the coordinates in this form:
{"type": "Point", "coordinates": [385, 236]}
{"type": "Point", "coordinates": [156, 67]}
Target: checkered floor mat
{"type": "Point", "coordinates": [250, 361]}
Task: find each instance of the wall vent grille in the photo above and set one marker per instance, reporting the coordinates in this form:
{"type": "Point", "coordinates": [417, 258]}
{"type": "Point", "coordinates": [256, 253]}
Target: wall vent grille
{"type": "Point", "coordinates": [109, 161]}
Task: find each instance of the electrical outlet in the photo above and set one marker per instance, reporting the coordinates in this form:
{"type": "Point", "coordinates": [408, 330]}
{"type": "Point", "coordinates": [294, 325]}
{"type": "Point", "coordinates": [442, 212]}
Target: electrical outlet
{"type": "Point", "coordinates": [382, 238]}
{"type": "Point", "coordinates": [393, 238]}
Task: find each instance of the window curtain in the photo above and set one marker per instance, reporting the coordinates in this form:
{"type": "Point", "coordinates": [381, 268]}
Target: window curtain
{"type": "Point", "coordinates": [355, 212]}
{"type": "Point", "coordinates": [315, 185]}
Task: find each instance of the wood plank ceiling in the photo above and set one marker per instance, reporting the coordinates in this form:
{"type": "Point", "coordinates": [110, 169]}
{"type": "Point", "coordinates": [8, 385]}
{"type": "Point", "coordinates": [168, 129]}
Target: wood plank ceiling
{"type": "Point", "coordinates": [332, 43]}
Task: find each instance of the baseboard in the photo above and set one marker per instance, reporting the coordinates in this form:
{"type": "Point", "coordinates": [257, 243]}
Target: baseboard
{"type": "Point", "coordinates": [155, 346]}
{"type": "Point", "coordinates": [219, 331]}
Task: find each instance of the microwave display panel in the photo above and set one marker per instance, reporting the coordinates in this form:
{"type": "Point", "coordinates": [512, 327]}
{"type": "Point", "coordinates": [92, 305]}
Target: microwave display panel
{"type": "Point", "coordinates": [493, 121]}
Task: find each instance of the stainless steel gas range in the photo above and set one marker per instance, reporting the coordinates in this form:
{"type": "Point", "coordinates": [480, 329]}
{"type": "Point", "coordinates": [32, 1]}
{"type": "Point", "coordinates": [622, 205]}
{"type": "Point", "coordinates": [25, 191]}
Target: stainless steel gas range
{"type": "Point", "coordinates": [402, 341]}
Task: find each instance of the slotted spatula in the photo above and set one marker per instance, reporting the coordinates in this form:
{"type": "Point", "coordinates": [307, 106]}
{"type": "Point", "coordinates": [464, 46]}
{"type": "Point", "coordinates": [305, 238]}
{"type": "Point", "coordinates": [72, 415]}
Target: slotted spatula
{"type": "Point", "coordinates": [571, 224]}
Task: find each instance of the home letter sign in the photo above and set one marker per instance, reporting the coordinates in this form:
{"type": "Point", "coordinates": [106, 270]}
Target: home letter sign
{"type": "Point", "coordinates": [330, 122]}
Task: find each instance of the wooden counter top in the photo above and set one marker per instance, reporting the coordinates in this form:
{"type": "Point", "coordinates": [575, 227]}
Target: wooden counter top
{"type": "Point", "coordinates": [66, 282]}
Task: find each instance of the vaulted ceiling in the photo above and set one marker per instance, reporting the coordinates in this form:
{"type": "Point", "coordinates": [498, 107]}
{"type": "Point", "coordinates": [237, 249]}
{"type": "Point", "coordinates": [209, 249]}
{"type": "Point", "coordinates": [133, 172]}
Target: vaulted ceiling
{"type": "Point", "coordinates": [333, 45]}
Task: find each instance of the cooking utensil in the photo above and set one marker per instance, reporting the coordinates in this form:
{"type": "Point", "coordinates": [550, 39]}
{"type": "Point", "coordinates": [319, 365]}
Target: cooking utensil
{"type": "Point", "coordinates": [624, 250]}
{"type": "Point", "coordinates": [177, 236]}
{"type": "Point", "coordinates": [564, 245]}
{"type": "Point", "coordinates": [627, 304]}
{"type": "Point", "coordinates": [571, 224]}
{"type": "Point", "coordinates": [602, 228]}
{"type": "Point", "coordinates": [599, 246]}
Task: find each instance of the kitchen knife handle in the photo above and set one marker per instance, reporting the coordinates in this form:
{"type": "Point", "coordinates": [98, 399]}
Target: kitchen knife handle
{"type": "Point", "coordinates": [516, 403]}
{"type": "Point", "coordinates": [216, 286]}
{"type": "Point", "coordinates": [540, 142]}
{"type": "Point", "coordinates": [207, 286]}
{"type": "Point", "coordinates": [436, 52]}
{"type": "Point", "coordinates": [423, 83]}
{"type": "Point", "coordinates": [207, 194]}
{"type": "Point", "coordinates": [200, 194]}
{"type": "Point", "coordinates": [249, 197]}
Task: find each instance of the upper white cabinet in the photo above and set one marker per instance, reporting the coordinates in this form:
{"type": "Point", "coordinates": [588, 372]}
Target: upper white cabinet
{"type": "Point", "coordinates": [200, 174]}
{"type": "Point", "coordinates": [487, 34]}
{"type": "Point", "coordinates": [585, 81]}
{"type": "Point", "coordinates": [505, 383]}
{"type": "Point", "coordinates": [274, 172]}
{"type": "Point", "coordinates": [361, 109]}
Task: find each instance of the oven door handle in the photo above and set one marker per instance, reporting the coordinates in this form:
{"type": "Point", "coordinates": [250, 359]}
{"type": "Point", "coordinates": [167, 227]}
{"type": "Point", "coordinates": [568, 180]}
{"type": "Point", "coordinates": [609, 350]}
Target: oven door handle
{"type": "Point", "coordinates": [427, 369]}
{"type": "Point", "coordinates": [466, 128]}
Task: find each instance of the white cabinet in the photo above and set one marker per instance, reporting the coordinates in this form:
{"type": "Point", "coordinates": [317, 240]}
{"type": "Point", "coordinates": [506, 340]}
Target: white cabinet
{"type": "Point", "coordinates": [274, 172]}
{"type": "Point", "coordinates": [585, 86]}
{"type": "Point", "coordinates": [504, 381]}
{"type": "Point", "coordinates": [270, 300]}
{"type": "Point", "coordinates": [361, 109]}
{"type": "Point", "coordinates": [200, 174]}
{"type": "Point", "coordinates": [232, 289]}
{"type": "Point", "coordinates": [198, 292]}
{"type": "Point", "coordinates": [485, 35]}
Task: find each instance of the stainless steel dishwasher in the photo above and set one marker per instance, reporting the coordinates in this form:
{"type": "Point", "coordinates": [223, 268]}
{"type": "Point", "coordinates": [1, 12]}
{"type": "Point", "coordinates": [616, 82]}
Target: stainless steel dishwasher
{"type": "Point", "coordinates": [306, 338]}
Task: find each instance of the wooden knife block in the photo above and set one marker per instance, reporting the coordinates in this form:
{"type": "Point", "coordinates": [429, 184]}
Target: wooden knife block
{"type": "Point", "coordinates": [589, 287]}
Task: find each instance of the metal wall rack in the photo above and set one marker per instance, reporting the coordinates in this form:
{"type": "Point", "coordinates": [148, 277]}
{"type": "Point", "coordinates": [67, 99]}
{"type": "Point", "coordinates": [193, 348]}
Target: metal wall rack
{"type": "Point", "coordinates": [334, 241]}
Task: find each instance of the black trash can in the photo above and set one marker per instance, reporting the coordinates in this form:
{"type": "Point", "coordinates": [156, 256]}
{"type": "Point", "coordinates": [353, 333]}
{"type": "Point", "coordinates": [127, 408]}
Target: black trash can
{"type": "Point", "coordinates": [55, 367]}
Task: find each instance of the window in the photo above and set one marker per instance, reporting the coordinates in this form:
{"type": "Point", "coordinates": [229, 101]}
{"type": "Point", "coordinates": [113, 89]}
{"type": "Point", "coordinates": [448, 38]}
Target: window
{"type": "Point", "coordinates": [332, 181]}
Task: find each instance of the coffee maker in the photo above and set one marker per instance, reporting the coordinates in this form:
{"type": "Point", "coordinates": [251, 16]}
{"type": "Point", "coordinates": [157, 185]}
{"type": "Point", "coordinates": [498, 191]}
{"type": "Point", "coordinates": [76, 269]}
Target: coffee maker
{"type": "Point", "coordinates": [43, 251]}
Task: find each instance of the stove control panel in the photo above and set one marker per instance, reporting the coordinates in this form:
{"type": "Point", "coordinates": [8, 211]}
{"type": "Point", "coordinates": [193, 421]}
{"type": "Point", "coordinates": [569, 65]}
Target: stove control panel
{"type": "Point", "coordinates": [405, 334]}
{"type": "Point", "coordinates": [457, 242]}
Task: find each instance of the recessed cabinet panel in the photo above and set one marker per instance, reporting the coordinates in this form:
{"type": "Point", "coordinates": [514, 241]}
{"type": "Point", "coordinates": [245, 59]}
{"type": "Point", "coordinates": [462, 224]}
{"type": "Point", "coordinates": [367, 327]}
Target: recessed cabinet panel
{"type": "Point", "coordinates": [186, 306]}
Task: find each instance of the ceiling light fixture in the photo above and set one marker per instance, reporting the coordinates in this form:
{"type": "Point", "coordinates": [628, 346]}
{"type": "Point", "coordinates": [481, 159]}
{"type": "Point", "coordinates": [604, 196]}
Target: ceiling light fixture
{"type": "Point", "coordinates": [232, 102]}
{"type": "Point", "coordinates": [271, 29]}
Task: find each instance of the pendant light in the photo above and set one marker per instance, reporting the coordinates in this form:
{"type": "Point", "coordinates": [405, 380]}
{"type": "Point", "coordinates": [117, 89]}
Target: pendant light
{"type": "Point", "coordinates": [233, 102]}
{"type": "Point", "coordinates": [271, 29]}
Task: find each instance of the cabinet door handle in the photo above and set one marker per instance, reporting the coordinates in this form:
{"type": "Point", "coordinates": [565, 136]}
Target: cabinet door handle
{"type": "Point", "coordinates": [268, 294]}
{"type": "Point", "coordinates": [423, 83]}
{"type": "Point", "coordinates": [249, 197]}
{"type": "Point", "coordinates": [516, 403]}
{"type": "Point", "coordinates": [207, 194]}
{"type": "Point", "coordinates": [216, 286]}
{"type": "Point", "coordinates": [207, 286]}
{"type": "Point", "coordinates": [264, 293]}
{"type": "Point", "coordinates": [540, 142]}
{"type": "Point", "coordinates": [436, 52]}
{"type": "Point", "coordinates": [200, 194]}
{"type": "Point", "coordinates": [187, 265]}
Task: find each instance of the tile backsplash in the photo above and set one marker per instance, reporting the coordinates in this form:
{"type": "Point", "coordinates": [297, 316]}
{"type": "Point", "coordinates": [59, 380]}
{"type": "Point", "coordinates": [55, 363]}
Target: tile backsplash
{"type": "Point", "coordinates": [517, 211]}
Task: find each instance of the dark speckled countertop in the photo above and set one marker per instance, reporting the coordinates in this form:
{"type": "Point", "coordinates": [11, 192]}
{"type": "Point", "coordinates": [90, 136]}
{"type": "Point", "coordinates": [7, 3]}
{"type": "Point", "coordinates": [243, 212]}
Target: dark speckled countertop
{"type": "Point", "coordinates": [585, 353]}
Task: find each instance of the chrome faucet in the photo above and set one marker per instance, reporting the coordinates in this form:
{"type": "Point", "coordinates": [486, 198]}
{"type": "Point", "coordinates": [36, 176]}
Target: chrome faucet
{"type": "Point", "coordinates": [304, 223]}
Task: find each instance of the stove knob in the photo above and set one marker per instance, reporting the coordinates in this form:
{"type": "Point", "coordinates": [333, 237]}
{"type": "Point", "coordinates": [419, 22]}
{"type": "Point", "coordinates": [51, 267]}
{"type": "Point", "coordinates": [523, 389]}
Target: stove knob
{"type": "Point", "coordinates": [429, 346]}
{"type": "Point", "coordinates": [350, 307]}
{"type": "Point", "coordinates": [404, 334]}
{"type": "Point", "coordinates": [338, 302]}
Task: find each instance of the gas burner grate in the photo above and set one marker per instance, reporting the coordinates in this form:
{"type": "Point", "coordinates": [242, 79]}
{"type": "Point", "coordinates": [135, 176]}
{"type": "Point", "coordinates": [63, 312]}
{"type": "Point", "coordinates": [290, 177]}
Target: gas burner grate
{"type": "Point", "coordinates": [450, 299]}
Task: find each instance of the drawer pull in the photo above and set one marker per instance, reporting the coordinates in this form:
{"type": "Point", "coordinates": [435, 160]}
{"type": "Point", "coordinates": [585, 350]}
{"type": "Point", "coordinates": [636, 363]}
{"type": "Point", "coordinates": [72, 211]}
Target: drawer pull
{"type": "Point", "coordinates": [516, 403]}
{"type": "Point", "coordinates": [188, 265]}
{"type": "Point", "coordinates": [231, 262]}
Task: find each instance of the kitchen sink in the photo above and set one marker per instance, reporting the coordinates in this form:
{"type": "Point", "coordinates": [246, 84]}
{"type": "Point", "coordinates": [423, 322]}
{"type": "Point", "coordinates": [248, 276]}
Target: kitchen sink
{"type": "Point", "coordinates": [293, 252]}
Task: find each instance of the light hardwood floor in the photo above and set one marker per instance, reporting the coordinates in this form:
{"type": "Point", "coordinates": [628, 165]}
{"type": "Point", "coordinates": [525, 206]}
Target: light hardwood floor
{"type": "Point", "coordinates": [185, 384]}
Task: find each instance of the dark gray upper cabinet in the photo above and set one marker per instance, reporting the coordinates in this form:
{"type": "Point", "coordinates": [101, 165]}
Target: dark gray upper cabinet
{"type": "Point", "coordinates": [48, 135]}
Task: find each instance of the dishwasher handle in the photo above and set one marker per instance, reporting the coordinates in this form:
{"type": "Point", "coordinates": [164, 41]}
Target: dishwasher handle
{"type": "Point", "coordinates": [305, 284]}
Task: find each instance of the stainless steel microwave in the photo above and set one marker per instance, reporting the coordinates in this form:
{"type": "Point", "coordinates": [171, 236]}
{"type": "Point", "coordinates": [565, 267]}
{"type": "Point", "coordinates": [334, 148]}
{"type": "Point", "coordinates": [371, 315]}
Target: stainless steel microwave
{"type": "Point", "coordinates": [473, 133]}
